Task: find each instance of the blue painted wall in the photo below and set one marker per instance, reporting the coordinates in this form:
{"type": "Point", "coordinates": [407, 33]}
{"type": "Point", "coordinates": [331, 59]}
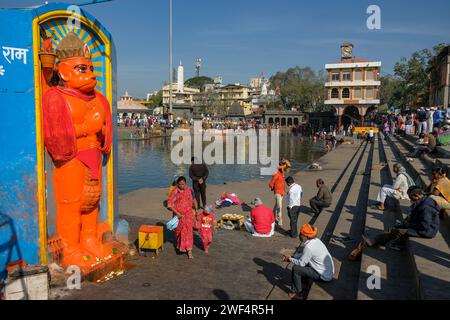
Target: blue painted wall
{"type": "Point", "coordinates": [19, 231]}
{"type": "Point", "coordinates": [19, 221]}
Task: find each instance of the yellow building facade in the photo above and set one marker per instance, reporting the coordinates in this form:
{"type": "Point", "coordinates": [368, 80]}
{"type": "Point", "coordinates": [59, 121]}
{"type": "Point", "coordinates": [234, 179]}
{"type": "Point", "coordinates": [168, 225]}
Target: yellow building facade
{"type": "Point", "coordinates": [237, 93]}
{"type": "Point", "coordinates": [353, 82]}
{"type": "Point", "coordinates": [185, 97]}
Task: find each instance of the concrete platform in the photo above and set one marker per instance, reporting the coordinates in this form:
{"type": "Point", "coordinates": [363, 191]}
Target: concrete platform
{"type": "Point", "coordinates": [240, 266]}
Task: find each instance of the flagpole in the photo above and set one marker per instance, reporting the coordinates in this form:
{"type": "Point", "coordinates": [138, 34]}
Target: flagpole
{"type": "Point", "coordinates": [170, 60]}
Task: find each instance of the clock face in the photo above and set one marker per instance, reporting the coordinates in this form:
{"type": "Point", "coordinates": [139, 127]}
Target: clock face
{"type": "Point", "coordinates": [346, 51]}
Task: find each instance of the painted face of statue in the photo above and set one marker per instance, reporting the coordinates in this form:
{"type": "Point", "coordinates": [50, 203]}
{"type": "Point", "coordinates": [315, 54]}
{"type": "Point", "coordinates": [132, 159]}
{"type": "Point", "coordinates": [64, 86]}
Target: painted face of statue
{"type": "Point", "coordinates": [78, 73]}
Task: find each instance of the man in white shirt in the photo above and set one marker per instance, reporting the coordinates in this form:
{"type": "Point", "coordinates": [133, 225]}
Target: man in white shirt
{"type": "Point", "coordinates": [314, 263]}
{"type": "Point", "coordinates": [429, 116]}
{"type": "Point", "coordinates": [371, 135]}
{"type": "Point", "coordinates": [293, 199]}
{"type": "Point", "coordinates": [399, 189]}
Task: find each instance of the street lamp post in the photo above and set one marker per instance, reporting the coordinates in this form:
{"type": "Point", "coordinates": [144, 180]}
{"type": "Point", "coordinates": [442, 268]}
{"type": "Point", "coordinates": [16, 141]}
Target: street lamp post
{"type": "Point", "coordinates": [170, 60]}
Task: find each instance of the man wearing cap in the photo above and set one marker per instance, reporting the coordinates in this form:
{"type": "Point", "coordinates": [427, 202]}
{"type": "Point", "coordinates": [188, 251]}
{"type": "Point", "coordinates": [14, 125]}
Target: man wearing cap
{"type": "Point", "coordinates": [262, 220]}
{"type": "Point", "coordinates": [314, 263]}
{"type": "Point", "coordinates": [277, 186]}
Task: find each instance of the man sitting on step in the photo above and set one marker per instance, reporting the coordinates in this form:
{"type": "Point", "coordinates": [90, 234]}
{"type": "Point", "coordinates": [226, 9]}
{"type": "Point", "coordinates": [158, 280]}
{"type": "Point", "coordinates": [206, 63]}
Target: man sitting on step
{"type": "Point", "coordinates": [322, 199]}
{"type": "Point", "coordinates": [423, 222]}
{"type": "Point", "coordinates": [425, 144]}
{"type": "Point", "coordinates": [313, 263]}
{"type": "Point", "coordinates": [439, 189]}
{"type": "Point", "coordinates": [399, 188]}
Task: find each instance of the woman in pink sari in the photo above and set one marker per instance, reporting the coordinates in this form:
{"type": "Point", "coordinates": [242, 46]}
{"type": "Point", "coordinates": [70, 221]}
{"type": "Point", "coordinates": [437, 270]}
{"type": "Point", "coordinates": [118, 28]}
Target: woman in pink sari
{"type": "Point", "coordinates": [181, 203]}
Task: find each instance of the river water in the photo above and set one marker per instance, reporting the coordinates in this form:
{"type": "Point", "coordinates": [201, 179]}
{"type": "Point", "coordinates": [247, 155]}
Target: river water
{"type": "Point", "coordinates": [147, 163]}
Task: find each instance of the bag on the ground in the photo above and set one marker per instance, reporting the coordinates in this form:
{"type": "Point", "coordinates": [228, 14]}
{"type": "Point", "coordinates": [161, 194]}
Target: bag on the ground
{"type": "Point", "coordinates": [357, 252]}
{"type": "Point", "coordinates": [172, 224]}
{"type": "Point", "coordinates": [443, 140]}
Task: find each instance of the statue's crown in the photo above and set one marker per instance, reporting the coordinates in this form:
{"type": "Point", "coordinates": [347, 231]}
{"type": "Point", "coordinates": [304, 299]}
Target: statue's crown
{"type": "Point", "coordinates": [71, 46]}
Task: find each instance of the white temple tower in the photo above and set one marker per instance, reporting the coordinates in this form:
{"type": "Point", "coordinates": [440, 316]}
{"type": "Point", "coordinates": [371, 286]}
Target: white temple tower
{"type": "Point", "coordinates": [180, 78]}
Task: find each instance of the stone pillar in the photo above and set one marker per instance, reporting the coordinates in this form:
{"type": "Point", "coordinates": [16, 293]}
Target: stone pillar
{"type": "Point", "coordinates": [340, 112]}
{"type": "Point", "coordinates": [362, 110]}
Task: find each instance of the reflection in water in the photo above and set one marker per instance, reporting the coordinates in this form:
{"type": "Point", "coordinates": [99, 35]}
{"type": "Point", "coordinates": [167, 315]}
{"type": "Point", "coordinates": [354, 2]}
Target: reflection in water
{"type": "Point", "coordinates": [147, 163]}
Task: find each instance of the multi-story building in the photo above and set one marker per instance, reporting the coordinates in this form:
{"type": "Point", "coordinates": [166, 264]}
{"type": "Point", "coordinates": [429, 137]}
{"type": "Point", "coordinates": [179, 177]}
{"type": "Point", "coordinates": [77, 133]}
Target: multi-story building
{"type": "Point", "coordinates": [236, 93]}
{"type": "Point", "coordinates": [440, 89]}
{"type": "Point", "coordinates": [217, 83]}
{"type": "Point", "coordinates": [181, 94]}
{"type": "Point", "coordinates": [186, 96]}
{"type": "Point", "coordinates": [353, 82]}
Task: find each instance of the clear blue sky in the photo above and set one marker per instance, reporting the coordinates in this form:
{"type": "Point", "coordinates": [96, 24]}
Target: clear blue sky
{"type": "Point", "coordinates": [239, 39]}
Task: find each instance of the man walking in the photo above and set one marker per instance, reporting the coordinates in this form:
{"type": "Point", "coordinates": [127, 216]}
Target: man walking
{"type": "Point", "coordinates": [293, 197]}
{"type": "Point", "coordinates": [198, 172]}
{"type": "Point", "coordinates": [322, 199]}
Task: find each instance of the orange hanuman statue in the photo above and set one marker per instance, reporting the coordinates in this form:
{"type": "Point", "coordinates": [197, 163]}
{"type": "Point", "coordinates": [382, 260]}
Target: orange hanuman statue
{"type": "Point", "coordinates": [77, 127]}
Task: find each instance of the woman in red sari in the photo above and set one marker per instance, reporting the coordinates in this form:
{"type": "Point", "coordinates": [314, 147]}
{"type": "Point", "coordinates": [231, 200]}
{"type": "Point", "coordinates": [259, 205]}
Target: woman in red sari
{"type": "Point", "coordinates": [181, 203]}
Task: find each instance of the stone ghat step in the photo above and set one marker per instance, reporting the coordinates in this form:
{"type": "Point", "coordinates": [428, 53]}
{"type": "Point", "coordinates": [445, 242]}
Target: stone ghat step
{"type": "Point", "coordinates": [396, 281]}
{"type": "Point", "coordinates": [429, 257]}
{"type": "Point", "coordinates": [344, 221]}
{"type": "Point", "coordinates": [409, 142]}
{"type": "Point", "coordinates": [423, 166]}
{"type": "Point", "coordinates": [419, 168]}
{"type": "Point", "coordinates": [338, 166]}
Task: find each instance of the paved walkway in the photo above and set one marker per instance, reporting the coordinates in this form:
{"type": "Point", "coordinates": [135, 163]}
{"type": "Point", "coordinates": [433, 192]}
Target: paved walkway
{"type": "Point", "coordinates": [239, 266]}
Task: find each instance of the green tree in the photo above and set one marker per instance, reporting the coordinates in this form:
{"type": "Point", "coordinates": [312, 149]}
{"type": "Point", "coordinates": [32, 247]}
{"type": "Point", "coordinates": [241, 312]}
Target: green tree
{"type": "Point", "coordinates": [198, 82]}
{"type": "Point", "coordinates": [391, 91]}
{"type": "Point", "coordinates": [301, 87]}
{"type": "Point", "coordinates": [414, 77]}
{"type": "Point", "coordinates": [155, 100]}
{"type": "Point", "coordinates": [209, 103]}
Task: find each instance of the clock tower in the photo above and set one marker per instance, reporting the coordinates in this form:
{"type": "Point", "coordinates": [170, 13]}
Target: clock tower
{"type": "Point", "coordinates": [346, 51]}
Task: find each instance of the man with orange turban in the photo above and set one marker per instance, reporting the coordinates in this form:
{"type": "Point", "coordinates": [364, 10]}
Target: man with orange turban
{"type": "Point", "coordinates": [313, 263]}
